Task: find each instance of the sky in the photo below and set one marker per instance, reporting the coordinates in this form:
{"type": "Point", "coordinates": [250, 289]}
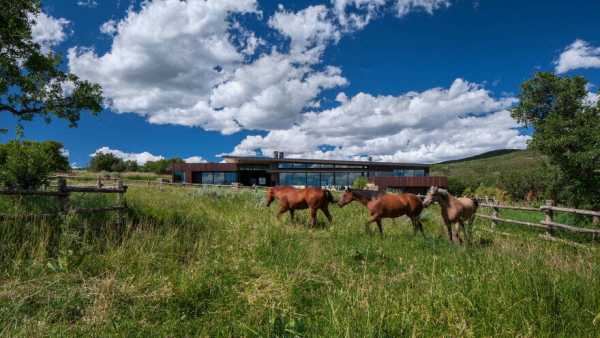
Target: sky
{"type": "Point", "coordinates": [398, 80]}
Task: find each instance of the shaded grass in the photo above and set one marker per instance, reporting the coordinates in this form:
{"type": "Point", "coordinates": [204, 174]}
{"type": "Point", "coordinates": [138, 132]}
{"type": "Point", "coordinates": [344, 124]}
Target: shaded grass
{"type": "Point", "coordinates": [211, 262]}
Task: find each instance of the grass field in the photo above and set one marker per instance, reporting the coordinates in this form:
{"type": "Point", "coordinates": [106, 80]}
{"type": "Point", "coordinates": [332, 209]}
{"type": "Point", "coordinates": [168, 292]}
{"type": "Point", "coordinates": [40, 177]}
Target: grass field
{"type": "Point", "coordinates": [194, 262]}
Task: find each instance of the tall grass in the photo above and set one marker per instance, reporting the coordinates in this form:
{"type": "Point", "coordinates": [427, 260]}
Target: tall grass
{"type": "Point", "coordinates": [208, 262]}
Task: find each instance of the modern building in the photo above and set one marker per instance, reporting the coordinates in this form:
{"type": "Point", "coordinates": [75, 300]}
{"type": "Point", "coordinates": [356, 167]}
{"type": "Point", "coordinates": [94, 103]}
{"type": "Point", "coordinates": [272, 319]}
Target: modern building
{"type": "Point", "coordinates": [277, 170]}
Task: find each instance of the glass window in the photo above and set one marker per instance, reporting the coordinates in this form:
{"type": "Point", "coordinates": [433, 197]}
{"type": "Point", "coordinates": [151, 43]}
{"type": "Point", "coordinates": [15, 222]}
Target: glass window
{"type": "Point", "coordinates": [285, 179]}
{"type": "Point", "coordinates": [262, 181]}
{"type": "Point", "coordinates": [419, 172]}
{"type": "Point", "coordinates": [179, 176]}
{"type": "Point", "coordinates": [380, 173]}
{"type": "Point", "coordinates": [287, 165]}
{"type": "Point", "coordinates": [207, 178]}
{"type": "Point", "coordinates": [326, 179]}
{"type": "Point", "coordinates": [313, 179]}
{"type": "Point", "coordinates": [341, 179]}
{"type": "Point", "coordinates": [352, 177]}
{"type": "Point", "coordinates": [299, 179]}
{"type": "Point", "coordinates": [230, 177]}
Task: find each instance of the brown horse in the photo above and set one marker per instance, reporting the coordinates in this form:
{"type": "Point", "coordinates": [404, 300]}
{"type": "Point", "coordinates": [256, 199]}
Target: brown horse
{"type": "Point", "coordinates": [291, 199]}
{"type": "Point", "coordinates": [454, 210]}
{"type": "Point", "coordinates": [383, 205]}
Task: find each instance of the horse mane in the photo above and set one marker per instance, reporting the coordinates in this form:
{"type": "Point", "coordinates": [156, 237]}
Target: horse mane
{"type": "Point", "coordinates": [368, 194]}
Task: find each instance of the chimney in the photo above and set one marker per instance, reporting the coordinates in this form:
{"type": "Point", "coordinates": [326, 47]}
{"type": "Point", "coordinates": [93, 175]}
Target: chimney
{"type": "Point", "coordinates": [275, 154]}
{"type": "Point", "coordinates": [281, 155]}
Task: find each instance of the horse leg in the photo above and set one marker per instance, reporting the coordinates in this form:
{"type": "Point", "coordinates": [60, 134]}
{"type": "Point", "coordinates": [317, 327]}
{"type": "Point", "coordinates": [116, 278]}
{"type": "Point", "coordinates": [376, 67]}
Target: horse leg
{"type": "Point", "coordinates": [327, 214]}
{"type": "Point", "coordinates": [415, 225]}
{"type": "Point", "coordinates": [292, 214]}
{"type": "Point", "coordinates": [380, 227]}
{"type": "Point", "coordinates": [467, 237]}
{"type": "Point", "coordinates": [449, 228]}
{"type": "Point", "coordinates": [313, 217]}
{"type": "Point", "coordinates": [282, 210]}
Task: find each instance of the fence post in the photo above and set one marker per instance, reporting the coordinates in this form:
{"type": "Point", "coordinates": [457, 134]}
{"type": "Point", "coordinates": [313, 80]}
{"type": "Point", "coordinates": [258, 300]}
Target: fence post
{"type": "Point", "coordinates": [120, 200]}
{"type": "Point", "coordinates": [99, 182]}
{"type": "Point", "coordinates": [548, 214]}
{"type": "Point", "coordinates": [495, 214]}
{"type": "Point", "coordinates": [64, 197]}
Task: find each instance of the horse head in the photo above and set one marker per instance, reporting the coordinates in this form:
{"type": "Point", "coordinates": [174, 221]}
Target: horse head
{"type": "Point", "coordinates": [435, 194]}
{"type": "Point", "coordinates": [347, 197]}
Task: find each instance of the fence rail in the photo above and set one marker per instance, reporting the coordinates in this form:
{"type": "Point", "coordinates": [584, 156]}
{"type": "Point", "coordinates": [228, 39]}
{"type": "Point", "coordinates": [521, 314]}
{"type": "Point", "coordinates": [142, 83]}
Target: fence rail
{"type": "Point", "coordinates": [547, 211]}
{"type": "Point", "coordinates": [62, 193]}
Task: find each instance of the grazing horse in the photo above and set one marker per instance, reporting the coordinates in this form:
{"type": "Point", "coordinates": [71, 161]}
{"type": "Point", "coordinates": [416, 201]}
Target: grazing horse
{"type": "Point", "coordinates": [383, 205]}
{"type": "Point", "coordinates": [291, 199]}
{"type": "Point", "coordinates": [454, 210]}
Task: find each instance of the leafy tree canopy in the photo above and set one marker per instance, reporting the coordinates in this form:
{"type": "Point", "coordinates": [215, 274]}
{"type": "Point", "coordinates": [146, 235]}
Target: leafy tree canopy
{"type": "Point", "coordinates": [31, 82]}
{"type": "Point", "coordinates": [567, 130]}
{"type": "Point", "coordinates": [28, 164]}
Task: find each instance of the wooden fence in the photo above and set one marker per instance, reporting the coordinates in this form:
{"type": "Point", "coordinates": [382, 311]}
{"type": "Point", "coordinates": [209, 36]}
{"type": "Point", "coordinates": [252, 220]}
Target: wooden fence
{"type": "Point", "coordinates": [62, 192]}
{"type": "Point", "coordinates": [548, 211]}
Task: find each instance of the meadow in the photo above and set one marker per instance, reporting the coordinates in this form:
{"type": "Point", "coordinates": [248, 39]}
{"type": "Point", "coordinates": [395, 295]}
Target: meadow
{"type": "Point", "coordinates": [214, 262]}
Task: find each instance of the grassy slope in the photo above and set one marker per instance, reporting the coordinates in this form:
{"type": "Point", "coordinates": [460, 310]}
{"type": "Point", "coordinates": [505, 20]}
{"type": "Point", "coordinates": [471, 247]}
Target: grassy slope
{"type": "Point", "coordinates": [214, 263]}
{"type": "Point", "coordinates": [489, 169]}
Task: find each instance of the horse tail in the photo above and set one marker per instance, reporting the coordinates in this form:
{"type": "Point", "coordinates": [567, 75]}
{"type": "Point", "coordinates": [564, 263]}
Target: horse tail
{"type": "Point", "coordinates": [329, 196]}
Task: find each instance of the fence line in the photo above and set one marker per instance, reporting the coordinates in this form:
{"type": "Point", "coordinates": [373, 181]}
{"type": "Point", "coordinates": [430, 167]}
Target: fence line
{"type": "Point", "coordinates": [547, 223]}
{"type": "Point", "coordinates": [63, 193]}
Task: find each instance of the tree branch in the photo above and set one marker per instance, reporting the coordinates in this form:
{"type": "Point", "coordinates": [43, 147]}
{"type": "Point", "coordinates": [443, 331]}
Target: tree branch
{"type": "Point", "coordinates": [20, 112]}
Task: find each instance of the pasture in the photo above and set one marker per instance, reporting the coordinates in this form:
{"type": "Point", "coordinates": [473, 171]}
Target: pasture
{"type": "Point", "coordinates": [213, 262]}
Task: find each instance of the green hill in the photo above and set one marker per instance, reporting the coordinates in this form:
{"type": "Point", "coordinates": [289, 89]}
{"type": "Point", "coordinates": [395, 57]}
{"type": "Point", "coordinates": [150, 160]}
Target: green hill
{"type": "Point", "coordinates": [488, 167]}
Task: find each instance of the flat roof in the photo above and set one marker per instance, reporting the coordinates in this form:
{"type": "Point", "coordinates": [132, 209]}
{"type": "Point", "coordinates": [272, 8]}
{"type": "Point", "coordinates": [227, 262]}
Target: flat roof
{"type": "Point", "coordinates": [264, 159]}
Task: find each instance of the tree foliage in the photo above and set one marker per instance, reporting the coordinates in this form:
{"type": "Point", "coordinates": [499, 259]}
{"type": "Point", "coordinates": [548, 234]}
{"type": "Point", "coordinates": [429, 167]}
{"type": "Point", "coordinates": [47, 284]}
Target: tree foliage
{"type": "Point", "coordinates": [110, 162]}
{"type": "Point", "coordinates": [31, 81]}
{"type": "Point", "coordinates": [360, 182]}
{"type": "Point", "coordinates": [28, 164]}
{"type": "Point", "coordinates": [567, 130]}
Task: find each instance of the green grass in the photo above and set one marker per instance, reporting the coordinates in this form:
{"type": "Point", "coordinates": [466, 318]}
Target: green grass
{"type": "Point", "coordinates": [487, 169]}
{"type": "Point", "coordinates": [208, 262]}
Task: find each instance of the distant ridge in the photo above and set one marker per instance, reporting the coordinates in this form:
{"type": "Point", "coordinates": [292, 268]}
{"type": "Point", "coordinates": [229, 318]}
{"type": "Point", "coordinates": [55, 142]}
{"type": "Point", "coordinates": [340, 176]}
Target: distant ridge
{"type": "Point", "coordinates": [488, 154]}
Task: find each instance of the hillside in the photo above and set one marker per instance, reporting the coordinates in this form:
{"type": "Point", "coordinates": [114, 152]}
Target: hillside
{"type": "Point", "coordinates": [488, 167]}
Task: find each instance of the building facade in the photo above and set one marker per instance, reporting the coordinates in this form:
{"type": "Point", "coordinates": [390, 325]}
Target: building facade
{"type": "Point", "coordinates": [277, 170]}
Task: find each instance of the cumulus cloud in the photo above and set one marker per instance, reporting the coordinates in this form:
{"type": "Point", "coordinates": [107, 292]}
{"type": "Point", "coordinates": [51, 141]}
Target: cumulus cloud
{"type": "Point", "coordinates": [47, 30]}
{"type": "Point", "coordinates": [195, 159]}
{"type": "Point", "coordinates": [579, 54]}
{"type": "Point", "coordinates": [430, 126]}
{"type": "Point", "coordinates": [309, 28]}
{"type": "Point", "coordinates": [175, 62]}
{"type": "Point", "coordinates": [139, 158]}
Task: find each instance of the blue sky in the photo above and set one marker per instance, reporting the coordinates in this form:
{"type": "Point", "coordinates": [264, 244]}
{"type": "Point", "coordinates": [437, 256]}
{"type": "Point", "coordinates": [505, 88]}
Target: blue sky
{"type": "Point", "coordinates": [422, 80]}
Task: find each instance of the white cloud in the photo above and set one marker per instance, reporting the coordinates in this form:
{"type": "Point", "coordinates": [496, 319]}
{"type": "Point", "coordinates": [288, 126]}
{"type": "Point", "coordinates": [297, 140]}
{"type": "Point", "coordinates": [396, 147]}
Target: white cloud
{"type": "Point", "coordinates": [109, 27]}
{"type": "Point", "coordinates": [356, 14]}
{"type": "Point", "coordinates": [579, 54]}
{"type": "Point", "coordinates": [429, 126]}
{"type": "Point", "coordinates": [195, 159]}
{"type": "Point", "coordinates": [403, 7]}
{"type": "Point", "coordinates": [309, 28]}
{"type": "Point", "coordinates": [47, 30]}
{"type": "Point", "coordinates": [139, 158]}
{"type": "Point", "coordinates": [87, 3]}
{"type": "Point", "coordinates": [175, 62]}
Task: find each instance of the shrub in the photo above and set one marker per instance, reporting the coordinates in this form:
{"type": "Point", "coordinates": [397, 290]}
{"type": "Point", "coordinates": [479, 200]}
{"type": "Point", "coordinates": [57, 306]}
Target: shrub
{"type": "Point", "coordinates": [360, 182]}
{"type": "Point", "coordinates": [28, 164]}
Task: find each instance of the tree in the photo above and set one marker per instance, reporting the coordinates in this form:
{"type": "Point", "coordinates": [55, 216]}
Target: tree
{"type": "Point", "coordinates": [360, 182]}
{"type": "Point", "coordinates": [28, 164]}
{"type": "Point", "coordinates": [31, 83]}
{"type": "Point", "coordinates": [161, 166]}
{"type": "Point", "coordinates": [104, 162]}
{"type": "Point", "coordinates": [567, 130]}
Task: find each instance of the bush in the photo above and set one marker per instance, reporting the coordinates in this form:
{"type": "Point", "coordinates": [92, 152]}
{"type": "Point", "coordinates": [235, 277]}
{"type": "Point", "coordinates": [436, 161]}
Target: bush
{"type": "Point", "coordinates": [29, 164]}
{"type": "Point", "coordinates": [456, 186]}
{"type": "Point", "coordinates": [360, 182]}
